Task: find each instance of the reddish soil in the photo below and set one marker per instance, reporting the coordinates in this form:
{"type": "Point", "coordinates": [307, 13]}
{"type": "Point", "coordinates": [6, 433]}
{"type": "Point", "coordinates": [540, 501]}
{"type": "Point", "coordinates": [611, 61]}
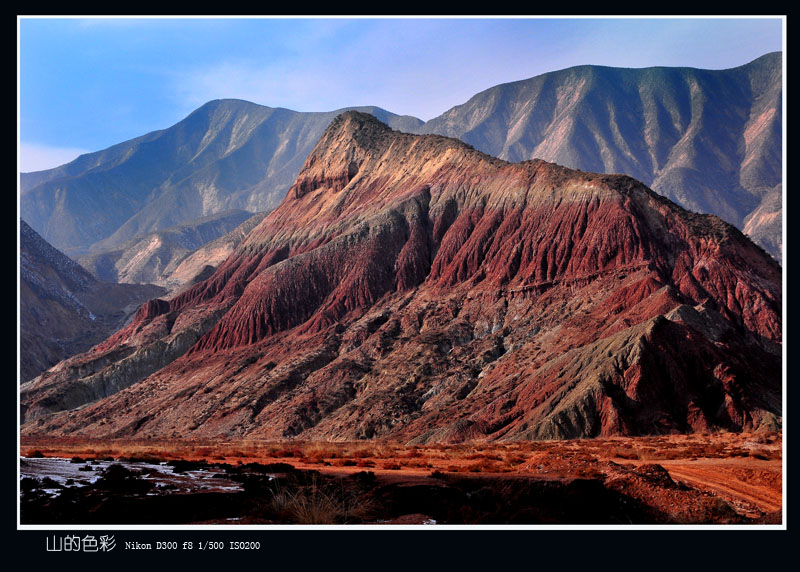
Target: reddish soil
{"type": "Point", "coordinates": [729, 479]}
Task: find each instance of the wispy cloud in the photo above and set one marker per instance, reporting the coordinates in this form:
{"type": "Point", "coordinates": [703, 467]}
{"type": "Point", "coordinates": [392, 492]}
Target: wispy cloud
{"type": "Point", "coordinates": [328, 65]}
{"type": "Point", "coordinates": [34, 157]}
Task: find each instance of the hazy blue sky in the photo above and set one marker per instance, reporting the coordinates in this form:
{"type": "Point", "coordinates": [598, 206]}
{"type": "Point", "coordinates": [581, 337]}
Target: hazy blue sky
{"type": "Point", "coordinates": [86, 84]}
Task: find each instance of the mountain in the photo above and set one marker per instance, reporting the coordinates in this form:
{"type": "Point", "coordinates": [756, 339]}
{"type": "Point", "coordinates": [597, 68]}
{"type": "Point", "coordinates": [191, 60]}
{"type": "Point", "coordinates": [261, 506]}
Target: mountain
{"type": "Point", "coordinates": [413, 288]}
{"type": "Point", "coordinates": [151, 258]}
{"type": "Point", "coordinates": [710, 140]}
{"type": "Point", "coordinates": [63, 309]}
{"type": "Point", "coordinates": [228, 154]}
{"type": "Point", "coordinates": [201, 263]}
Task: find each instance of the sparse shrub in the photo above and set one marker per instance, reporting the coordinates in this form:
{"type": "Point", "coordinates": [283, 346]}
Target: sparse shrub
{"type": "Point", "coordinates": [318, 507]}
{"type": "Point", "coordinates": [49, 483]}
{"type": "Point", "coordinates": [118, 478]}
{"type": "Point", "coordinates": [281, 500]}
{"type": "Point", "coordinates": [715, 451]}
{"type": "Point", "coordinates": [272, 467]}
{"type": "Point", "coordinates": [364, 477]}
{"type": "Point", "coordinates": [694, 451]}
{"type": "Point", "coordinates": [295, 452]}
{"type": "Point", "coordinates": [590, 473]}
{"type": "Point", "coordinates": [392, 466]}
{"type": "Point", "coordinates": [647, 454]}
{"type": "Point", "coordinates": [514, 459]}
{"type": "Point", "coordinates": [489, 456]}
{"type": "Point", "coordinates": [149, 459]}
{"type": "Point", "coordinates": [28, 484]}
{"type": "Point", "coordinates": [486, 466]}
{"type": "Point", "coordinates": [181, 466]}
{"type": "Point", "coordinates": [624, 453]}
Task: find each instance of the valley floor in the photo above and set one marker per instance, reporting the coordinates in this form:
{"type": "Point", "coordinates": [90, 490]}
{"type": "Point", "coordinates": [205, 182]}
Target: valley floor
{"type": "Point", "coordinates": [721, 478]}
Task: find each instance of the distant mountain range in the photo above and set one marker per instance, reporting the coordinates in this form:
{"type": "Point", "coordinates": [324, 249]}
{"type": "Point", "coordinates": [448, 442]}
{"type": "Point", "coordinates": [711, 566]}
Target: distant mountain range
{"type": "Point", "coordinates": [412, 288]}
{"type": "Point", "coordinates": [228, 154]}
{"type": "Point", "coordinates": [710, 140]}
{"type": "Point", "coordinates": [63, 309]}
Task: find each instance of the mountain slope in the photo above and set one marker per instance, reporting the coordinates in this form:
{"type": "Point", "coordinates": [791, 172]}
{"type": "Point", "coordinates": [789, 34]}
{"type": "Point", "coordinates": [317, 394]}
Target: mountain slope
{"type": "Point", "coordinates": [201, 263]}
{"type": "Point", "coordinates": [151, 258]}
{"type": "Point", "coordinates": [228, 154]}
{"type": "Point", "coordinates": [709, 140]}
{"type": "Point", "coordinates": [413, 288]}
{"type": "Point", "coordinates": [63, 309]}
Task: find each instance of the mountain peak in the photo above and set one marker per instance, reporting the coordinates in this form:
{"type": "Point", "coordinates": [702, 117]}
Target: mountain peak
{"type": "Point", "coordinates": [408, 281]}
{"type": "Point", "coordinates": [360, 127]}
{"type": "Point", "coordinates": [228, 103]}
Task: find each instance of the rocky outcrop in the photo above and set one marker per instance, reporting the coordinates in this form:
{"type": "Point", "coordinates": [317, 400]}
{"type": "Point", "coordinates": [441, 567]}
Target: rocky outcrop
{"type": "Point", "coordinates": [412, 287]}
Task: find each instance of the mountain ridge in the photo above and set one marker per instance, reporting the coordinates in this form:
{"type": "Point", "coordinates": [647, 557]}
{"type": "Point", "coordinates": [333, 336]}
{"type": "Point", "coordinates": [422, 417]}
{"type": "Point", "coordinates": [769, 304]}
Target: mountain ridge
{"type": "Point", "coordinates": [443, 294]}
{"type": "Point", "coordinates": [224, 155]}
{"type": "Point", "coordinates": [656, 124]}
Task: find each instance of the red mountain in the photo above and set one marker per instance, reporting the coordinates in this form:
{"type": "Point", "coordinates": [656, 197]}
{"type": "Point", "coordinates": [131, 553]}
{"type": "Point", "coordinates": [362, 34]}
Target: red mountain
{"type": "Point", "coordinates": [413, 288]}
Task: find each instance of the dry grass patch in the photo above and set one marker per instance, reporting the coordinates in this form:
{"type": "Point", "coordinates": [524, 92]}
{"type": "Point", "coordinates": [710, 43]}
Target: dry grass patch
{"type": "Point", "coordinates": [315, 504]}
